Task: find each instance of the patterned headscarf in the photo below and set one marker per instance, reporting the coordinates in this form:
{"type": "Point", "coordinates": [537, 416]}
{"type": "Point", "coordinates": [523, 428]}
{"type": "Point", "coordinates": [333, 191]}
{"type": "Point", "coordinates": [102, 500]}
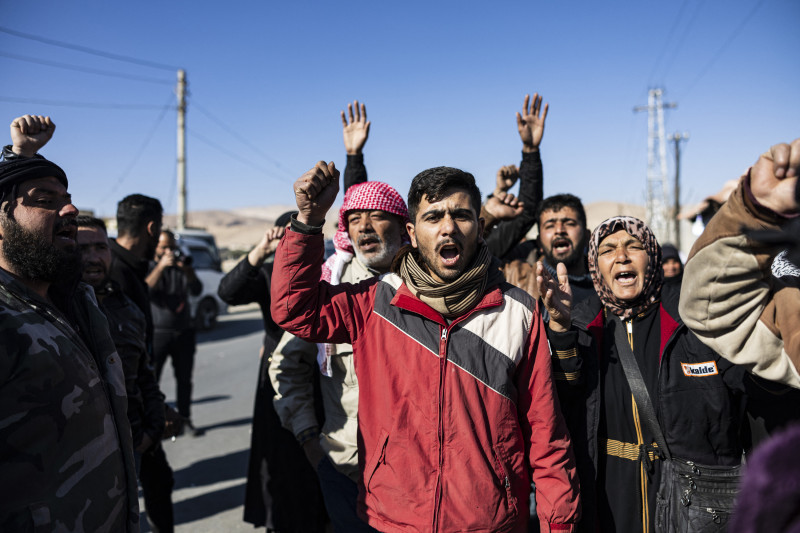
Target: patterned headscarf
{"type": "Point", "coordinates": [653, 278]}
{"type": "Point", "coordinates": [371, 195]}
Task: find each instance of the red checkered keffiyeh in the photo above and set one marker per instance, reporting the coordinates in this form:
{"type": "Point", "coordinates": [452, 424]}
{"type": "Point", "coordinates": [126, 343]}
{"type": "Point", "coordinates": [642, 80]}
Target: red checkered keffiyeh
{"type": "Point", "coordinates": [370, 195]}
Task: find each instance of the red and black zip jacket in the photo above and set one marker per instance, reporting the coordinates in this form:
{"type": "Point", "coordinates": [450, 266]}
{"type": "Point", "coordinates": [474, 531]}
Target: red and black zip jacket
{"type": "Point", "coordinates": [455, 419]}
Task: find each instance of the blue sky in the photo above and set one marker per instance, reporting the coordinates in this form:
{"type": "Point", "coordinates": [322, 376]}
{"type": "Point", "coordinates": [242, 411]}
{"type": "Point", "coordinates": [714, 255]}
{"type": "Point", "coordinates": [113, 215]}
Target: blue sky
{"type": "Point", "coordinates": [441, 80]}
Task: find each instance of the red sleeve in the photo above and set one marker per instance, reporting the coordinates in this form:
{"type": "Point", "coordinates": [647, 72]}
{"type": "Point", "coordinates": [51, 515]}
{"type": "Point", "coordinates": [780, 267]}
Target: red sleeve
{"type": "Point", "coordinates": [311, 309]}
{"type": "Point", "coordinates": [550, 454]}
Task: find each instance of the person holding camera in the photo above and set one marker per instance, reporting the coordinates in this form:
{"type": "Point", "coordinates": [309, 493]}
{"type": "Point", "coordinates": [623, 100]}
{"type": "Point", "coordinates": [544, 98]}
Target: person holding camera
{"type": "Point", "coordinates": [171, 280]}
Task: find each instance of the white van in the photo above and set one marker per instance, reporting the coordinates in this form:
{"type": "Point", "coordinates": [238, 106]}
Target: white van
{"type": "Point", "coordinates": [206, 307]}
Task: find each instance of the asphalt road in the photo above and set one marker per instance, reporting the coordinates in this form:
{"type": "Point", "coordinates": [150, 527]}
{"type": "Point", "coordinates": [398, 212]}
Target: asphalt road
{"type": "Point", "coordinates": [210, 470]}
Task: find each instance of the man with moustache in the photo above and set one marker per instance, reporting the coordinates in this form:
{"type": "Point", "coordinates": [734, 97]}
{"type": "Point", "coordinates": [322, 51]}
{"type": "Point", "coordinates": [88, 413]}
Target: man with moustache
{"type": "Point", "coordinates": [562, 239]}
{"type": "Point", "coordinates": [128, 326]}
{"type": "Point", "coordinates": [371, 230]}
{"type": "Point", "coordinates": [457, 408]}
{"type": "Point", "coordinates": [66, 458]}
{"type": "Point", "coordinates": [138, 228]}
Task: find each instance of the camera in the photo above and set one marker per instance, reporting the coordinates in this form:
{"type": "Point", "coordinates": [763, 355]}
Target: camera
{"type": "Point", "coordinates": [182, 257]}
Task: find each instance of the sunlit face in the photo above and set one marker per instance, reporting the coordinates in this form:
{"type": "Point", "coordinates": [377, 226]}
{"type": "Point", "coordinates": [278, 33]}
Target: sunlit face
{"type": "Point", "coordinates": [166, 244]}
{"type": "Point", "coordinates": [44, 207]}
{"type": "Point", "coordinates": [561, 236]}
{"type": "Point", "coordinates": [38, 234]}
{"type": "Point", "coordinates": [672, 267]}
{"type": "Point", "coordinates": [447, 234]}
{"type": "Point", "coordinates": [622, 261]}
{"type": "Point", "coordinates": [376, 237]}
{"type": "Point", "coordinates": [95, 255]}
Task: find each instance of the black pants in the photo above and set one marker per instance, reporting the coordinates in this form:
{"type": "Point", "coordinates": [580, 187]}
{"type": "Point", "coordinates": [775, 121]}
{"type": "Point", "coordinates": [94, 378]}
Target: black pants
{"type": "Point", "coordinates": [156, 479]}
{"type": "Point", "coordinates": [180, 345]}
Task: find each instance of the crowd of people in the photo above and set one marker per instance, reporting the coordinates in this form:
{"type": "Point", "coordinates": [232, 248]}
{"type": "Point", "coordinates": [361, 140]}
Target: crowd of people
{"type": "Point", "coordinates": [438, 372]}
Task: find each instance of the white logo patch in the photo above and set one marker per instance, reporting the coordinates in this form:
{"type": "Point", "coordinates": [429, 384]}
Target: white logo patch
{"type": "Point", "coordinates": [782, 267]}
{"type": "Point", "coordinates": [700, 370]}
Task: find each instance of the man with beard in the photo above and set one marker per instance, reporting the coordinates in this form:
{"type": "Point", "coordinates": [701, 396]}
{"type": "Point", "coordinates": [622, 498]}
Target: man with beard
{"type": "Point", "coordinates": [66, 458]}
{"type": "Point", "coordinates": [562, 239]}
{"type": "Point", "coordinates": [458, 411]}
{"type": "Point", "coordinates": [371, 230]}
{"type": "Point", "coordinates": [128, 326]}
{"type": "Point", "coordinates": [138, 228]}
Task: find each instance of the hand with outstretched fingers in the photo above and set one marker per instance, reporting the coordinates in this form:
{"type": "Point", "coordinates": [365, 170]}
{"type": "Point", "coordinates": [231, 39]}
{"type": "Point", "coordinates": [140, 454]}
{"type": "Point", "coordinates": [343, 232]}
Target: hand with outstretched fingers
{"type": "Point", "coordinates": [356, 131]}
{"type": "Point", "coordinates": [556, 296]}
{"type": "Point", "coordinates": [530, 123]}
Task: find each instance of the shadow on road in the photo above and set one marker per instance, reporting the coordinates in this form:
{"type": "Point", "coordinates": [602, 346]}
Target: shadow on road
{"type": "Point", "coordinates": [213, 470]}
{"type": "Point", "coordinates": [231, 328]}
{"type": "Point", "coordinates": [203, 505]}
{"type": "Point", "coordinates": [227, 424]}
{"type": "Point", "coordinates": [211, 399]}
{"type": "Point", "coordinates": [209, 504]}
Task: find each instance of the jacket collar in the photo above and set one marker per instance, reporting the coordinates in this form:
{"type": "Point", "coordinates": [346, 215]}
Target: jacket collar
{"type": "Point", "coordinates": [139, 265]}
{"type": "Point", "coordinates": [405, 300]}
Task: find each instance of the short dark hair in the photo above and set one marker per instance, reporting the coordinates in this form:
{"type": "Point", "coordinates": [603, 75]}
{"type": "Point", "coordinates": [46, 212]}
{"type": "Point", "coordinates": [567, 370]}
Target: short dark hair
{"type": "Point", "coordinates": [435, 182]}
{"type": "Point", "coordinates": [86, 221]}
{"type": "Point", "coordinates": [559, 202]}
{"type": "Point", "coordinates": [135, 211]}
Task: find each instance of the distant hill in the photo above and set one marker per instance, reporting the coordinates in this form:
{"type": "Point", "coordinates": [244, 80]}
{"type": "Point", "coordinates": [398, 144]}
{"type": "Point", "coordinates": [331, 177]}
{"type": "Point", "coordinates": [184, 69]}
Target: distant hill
{"type": "Point", "coordinates": [242, 228]}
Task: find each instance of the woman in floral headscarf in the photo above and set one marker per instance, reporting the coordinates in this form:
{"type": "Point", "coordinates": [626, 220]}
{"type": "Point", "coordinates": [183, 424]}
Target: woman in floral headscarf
{"type": "Point", "coordinates": [693, 391]}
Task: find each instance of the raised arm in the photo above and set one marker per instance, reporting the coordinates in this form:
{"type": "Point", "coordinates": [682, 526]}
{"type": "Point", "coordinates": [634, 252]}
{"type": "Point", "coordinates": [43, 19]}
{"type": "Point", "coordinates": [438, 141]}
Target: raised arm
{"type": "Point", "coordinates": [530, 125]}
{"type": "Point", "coordinates": [302, 304]}
{"type": "Point", "coordinates": [355, 132]}
{"type": "Point", "coordinates": [740, 296]}
{"type": "Point", "coordinates": [29, 133]}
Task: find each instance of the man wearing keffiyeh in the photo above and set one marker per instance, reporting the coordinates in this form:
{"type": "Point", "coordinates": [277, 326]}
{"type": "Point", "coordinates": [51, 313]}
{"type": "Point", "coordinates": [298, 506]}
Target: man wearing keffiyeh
{"type": "Point", "coordinates": [371, 230]}
{"type": "Point", "coordinates": [457, 410]}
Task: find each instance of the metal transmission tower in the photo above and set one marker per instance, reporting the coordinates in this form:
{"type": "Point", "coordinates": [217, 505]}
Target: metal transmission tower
{"type": "Point", "coordinates": [658, 204]}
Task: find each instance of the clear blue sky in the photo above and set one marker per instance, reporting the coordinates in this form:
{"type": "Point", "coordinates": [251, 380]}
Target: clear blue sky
{"type": "Point", "coordinates": [442, 81]}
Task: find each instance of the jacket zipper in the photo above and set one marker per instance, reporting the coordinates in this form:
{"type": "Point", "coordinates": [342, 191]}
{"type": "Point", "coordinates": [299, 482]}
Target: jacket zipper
{"type": "Point", "coordinates": [440, 430]}
{"type": "Point", "coordinates": [640, 441]}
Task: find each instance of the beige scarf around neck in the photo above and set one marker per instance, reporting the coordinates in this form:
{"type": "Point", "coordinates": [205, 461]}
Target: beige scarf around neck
{"type": "Point", "coordinates": [450, 299]}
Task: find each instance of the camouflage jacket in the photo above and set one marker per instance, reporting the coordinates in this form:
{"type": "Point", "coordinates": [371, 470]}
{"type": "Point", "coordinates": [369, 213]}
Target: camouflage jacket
{"type": "Point", "coordinates": [66, 458]}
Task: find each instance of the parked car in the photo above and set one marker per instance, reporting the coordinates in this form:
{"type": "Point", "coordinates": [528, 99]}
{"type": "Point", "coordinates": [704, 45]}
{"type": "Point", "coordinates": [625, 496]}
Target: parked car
{"type": "Point", "coordinates": [206, 307]}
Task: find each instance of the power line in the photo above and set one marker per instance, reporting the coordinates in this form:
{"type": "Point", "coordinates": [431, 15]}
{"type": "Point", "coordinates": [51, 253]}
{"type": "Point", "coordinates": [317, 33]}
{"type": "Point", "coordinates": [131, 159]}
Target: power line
{"type": "Point", "coordinates": [64, 103]}
{"type": "Point", "coordinates": [240, 138]}
{"type": "Point", "coordinates": [676, 50]}
{"type": "Point", "coordinates": [667, 40]}
{"type": "Point", "coordinates": [86, 69]}
{"type": "Point", "coordinates": [141, 149]}
{"type": "Point", "coordinates": [234, 156]}
{"type": "Point", "coordinates": [707, 67]}
{"type": "Point", "coordinates": [87, 50]}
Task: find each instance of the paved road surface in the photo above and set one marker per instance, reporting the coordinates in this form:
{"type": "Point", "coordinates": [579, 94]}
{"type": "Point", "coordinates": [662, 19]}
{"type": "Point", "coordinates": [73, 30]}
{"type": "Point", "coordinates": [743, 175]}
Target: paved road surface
{"type": "Point", "coordinates": [210, 471]}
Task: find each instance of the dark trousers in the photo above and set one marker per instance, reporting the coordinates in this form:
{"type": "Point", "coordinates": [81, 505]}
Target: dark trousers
{"type": "Point", "coordinates": [156, 479]}
{"type": "Point", "coordinates": [341, 494]}
{"type": "Point", "coordinates": [180, 346]}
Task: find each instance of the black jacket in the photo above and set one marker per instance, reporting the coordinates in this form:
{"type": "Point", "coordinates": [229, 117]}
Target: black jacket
{"type": "Point", "coordinates": [700, 414]}
{"type": "Point", "coordinates": [127, 325]}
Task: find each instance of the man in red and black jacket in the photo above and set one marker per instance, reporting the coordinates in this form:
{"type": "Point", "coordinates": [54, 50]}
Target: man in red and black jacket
{"type": "Point", "coordinates": [458, 412]}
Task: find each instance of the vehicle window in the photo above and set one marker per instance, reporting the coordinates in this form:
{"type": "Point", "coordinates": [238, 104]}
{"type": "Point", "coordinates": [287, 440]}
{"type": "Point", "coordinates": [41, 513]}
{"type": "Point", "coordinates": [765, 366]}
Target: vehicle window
{"type": "Point", "coordinates": [201, 258]}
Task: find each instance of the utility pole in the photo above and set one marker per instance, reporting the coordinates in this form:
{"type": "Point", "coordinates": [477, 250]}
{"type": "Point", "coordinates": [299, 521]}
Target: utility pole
{"type": "Point", "coordinates": [181, 149]}
{"type": "Point", "coordinates": [676, 138]}
{"type": "Point", "coordinates": [657, 194]}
